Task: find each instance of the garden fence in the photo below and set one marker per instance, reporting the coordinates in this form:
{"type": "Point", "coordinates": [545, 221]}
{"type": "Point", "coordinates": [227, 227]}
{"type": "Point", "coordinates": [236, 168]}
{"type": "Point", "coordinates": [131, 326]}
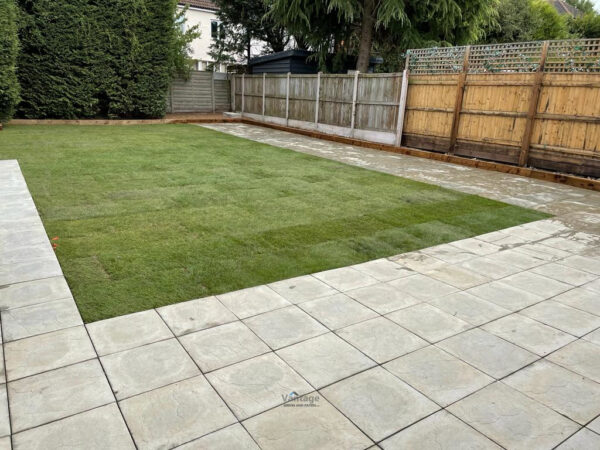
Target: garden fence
{"type": "Point", "coordinates": [202, 92]}
{"type": "Point", "coordinates": [530, 104]}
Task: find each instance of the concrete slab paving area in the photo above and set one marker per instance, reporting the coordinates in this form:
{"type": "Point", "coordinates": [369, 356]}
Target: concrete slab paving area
{"type": "Point", "coordinates": [487, 342]}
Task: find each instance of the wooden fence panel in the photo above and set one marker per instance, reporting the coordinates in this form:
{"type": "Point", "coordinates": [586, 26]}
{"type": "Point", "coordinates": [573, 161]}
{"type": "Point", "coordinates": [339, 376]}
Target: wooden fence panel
{"type": "Point", "coordinates": [335, 105]}
{"type": "Point", "coordinates": [275, 95]}
{"type": "Point", "coordinates": [429, 109]}
{"type": "Point", "coordinates": [493, 117]}
{"type": "Point", "coordinates": [377, 101]}
{"type": "Point", "coordinates": [303, 91]}
{"type": "Point", "coordinates": [566, 131]}
{"type": "Point", "coordinates": [196, 94]}
{"type": "Point", "coordinates": [253, 94]}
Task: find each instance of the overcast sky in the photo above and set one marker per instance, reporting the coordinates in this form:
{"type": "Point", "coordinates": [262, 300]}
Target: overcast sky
{"type": "Point", "coordinates": [597, 3]}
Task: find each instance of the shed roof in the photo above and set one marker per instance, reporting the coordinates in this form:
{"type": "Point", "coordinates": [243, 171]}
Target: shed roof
{"type": "Point", "coordinates": [203, 4]}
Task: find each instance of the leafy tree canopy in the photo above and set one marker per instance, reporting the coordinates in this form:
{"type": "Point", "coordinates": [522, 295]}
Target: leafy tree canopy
{"type": "Point", "coordinates": [84, 58]}
{"type": "Point", "coordinates": [244, 22]}
{"type": "Point", "coordinates": [357, 27]}
{"type": "Point", "coordinates": [9, 47]}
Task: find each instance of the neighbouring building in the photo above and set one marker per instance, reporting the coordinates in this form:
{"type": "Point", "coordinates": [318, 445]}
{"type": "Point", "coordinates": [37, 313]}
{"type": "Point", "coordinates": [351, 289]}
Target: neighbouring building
{"type": "Point", "coordinates": [564, 8]}
{"type": "Point", "coordinates": [204, 14]}
{"type": "Point", "coordinates": [298, 62]}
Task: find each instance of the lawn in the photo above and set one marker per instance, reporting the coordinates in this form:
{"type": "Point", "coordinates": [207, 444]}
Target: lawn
{"type": "Point", "coordinates": [152, 215]}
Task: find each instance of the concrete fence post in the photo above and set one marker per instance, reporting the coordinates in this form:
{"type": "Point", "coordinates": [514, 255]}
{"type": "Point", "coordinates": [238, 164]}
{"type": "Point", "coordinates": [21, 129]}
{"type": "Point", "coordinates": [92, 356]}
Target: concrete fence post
{"type": "Point", "coordinates": [243, 92]}
{"type": "Point", "coordinates": [263, 94]}
{"type": "Point", "coordinates": [212, 91]}
{"type": "Point", "coordinates": [287, 100]}
{"type": "Point", "coordinates": [318, 98]}
{"type": "Point", "coordinates": [354, 95]}
{"type": "Point", "coordinates": [402, 107]}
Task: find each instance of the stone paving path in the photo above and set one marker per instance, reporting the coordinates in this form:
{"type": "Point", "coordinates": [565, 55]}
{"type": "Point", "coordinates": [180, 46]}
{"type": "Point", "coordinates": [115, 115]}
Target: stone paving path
{"type": "Point", "coordinates": [487, 342]}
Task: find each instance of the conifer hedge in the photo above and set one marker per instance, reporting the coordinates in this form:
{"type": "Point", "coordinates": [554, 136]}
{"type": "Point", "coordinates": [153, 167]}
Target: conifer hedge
{"type": "Point", "coordinates": [9, 46]}
{"type": "Point", "coordinates": [96, 58]}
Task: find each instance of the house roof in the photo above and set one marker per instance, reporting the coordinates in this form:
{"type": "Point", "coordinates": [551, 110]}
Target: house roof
{"type": "Point", "coordinates": [564, 8]}
{"type": "Point", "coordinates": [203, 4]}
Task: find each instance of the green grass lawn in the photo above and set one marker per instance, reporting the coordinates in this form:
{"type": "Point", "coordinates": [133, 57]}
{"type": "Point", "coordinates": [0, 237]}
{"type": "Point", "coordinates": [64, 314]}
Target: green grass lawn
{"type": "Point", "coordinates": [152, 215]}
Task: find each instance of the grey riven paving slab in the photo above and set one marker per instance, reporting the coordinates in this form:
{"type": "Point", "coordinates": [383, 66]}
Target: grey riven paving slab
{"type": "Point", "coordinates": [562, 390]}
{"type": "Point", "coordinates": [232, 437]}
{"type": "Point", "coordinates": [47, 351]}
{"type": "Point", "coordinates": [98, 428]}
{"type": "Point", "coordinates": [33, 292]}
{"type": "Point", "coordinates": [319, 427]}
{"type": "Point", "coordinates": [379, 403]}
{"type": "Point", "coordinates": [175, 414]}
{"type": "Point", "coordinates": [381, 339]}
{"type": "Point", "coordinates": [481, 281]}
{"type": "Point", "coordinates": [19, 323]}
{"type": "Point", "coordinates": [325, 359]}
{"type": "Point", "coordinates": [285, 326]}
{"type": "Point", "coordinates": [512, 419]}
{"type": "Point", "coordinates": [439, 375]}
{"type": "Point", "coordinates": [582, 440]}
{"type": "Point", "coordinates": [253, 386]}
{"type": "Point", "coordinates": [53, 395]}
{"type": "Point", "coordinates": [223, 345]}
{"type": "Point", "coordinates": [440, 431]}
{"type": "Point", "coordinates": [125, 332]}
{"type": "Point", "coordinates": [145, 368]}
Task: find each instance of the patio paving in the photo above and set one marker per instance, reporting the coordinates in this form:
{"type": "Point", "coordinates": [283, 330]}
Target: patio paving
{"type": "Point", "coordinates": [488, 342]}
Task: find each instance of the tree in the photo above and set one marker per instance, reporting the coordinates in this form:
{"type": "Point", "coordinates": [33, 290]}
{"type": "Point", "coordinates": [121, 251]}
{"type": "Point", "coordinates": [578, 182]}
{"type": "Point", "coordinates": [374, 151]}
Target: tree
{"type": "Point", "coordinates": [585, 6]}
{"type": "Point", "coordinates": [358, 26]}
{"type": "Point", "coordinates": [547, 22]}
{"type": "Point", "coordinates": [9, 47]}
{"type": "Point", "coordinates": [514, 23]}
{"type": "Point", "coordinates": [587, 25]}
{"type": "Point", "coordinates": [242, 22]}
{"type": "Point", "coordinates": [85, 58]}
{"type": "Point", "coordinates": [526, 20]}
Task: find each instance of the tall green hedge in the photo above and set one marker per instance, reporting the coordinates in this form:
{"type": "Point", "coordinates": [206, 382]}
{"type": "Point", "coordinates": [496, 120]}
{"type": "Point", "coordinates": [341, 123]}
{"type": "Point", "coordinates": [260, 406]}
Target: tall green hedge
{"type": "Point", "coordinates": [96, 58]}
{"type": "Point", "coordinates": [9, 47]}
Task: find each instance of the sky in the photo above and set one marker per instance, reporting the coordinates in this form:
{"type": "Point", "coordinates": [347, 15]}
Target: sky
{"type": "Point", "coordinates": [597, 3]}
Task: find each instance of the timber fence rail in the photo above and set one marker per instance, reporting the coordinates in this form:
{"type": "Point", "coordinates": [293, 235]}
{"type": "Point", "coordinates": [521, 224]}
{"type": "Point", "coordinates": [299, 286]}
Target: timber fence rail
{"type": "Point", "coordinates": [533, 104]}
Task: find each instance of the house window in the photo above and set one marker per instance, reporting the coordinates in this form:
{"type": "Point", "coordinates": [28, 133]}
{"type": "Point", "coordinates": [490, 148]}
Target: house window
{"type": "Point", "coordinates": [214, 29]}
{"type": "Point", "coordinates": [181, 23]}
